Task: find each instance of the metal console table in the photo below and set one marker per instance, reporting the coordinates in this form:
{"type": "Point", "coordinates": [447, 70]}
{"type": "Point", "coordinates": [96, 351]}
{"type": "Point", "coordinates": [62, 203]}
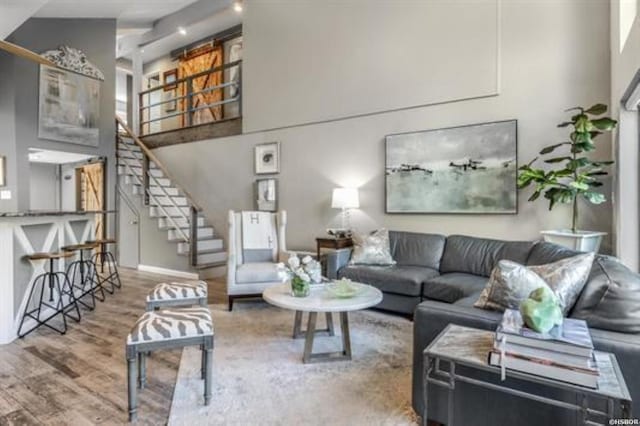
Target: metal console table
{"type": "Point", "coordinates": [469, 347]}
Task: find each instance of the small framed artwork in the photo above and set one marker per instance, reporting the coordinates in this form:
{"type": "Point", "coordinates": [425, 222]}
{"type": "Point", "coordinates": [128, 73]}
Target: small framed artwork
{"type": "Point", "coordinates": [170, 77]}
{"type": "Point", "coordinates": [266, 195]}
{"type": "Point", "coordinates": [3, 170]}
{"type": "Point", "coordinates": [267, 158]}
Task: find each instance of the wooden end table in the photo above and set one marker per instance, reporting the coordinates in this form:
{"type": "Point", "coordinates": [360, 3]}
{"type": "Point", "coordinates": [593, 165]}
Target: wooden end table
{"type": "Point", "coordinates": [333, 243]}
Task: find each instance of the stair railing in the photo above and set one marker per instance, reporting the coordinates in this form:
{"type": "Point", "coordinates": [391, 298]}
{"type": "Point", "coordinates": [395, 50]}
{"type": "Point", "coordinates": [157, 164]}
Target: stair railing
{"type": "Point", "coordinates": [145, 181]}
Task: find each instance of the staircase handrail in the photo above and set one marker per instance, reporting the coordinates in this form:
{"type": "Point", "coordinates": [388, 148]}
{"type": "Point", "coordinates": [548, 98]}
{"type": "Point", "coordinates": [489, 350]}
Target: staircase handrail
{"type": "Point", "coordinates": [158, 163]}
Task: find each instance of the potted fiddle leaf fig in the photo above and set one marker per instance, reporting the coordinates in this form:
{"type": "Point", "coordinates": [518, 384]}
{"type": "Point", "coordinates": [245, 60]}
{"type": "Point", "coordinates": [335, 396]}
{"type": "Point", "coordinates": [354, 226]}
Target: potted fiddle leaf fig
{"type": "Point", "coordinates": [570, 175]}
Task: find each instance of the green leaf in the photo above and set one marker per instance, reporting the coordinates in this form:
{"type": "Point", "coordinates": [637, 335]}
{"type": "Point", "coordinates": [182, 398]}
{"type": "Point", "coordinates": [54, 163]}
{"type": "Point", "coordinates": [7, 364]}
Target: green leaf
{"type": "Point", "coordinates": [577, 148]}
{"type": "Point", "coordinates": [578, 162]}
{"type": "Point", "coordinates": [597, 109]}
{"type": "Point", "coordinates": [565, 124]}
{"type": "Point", "coordinates": [604, 123]}
{"type": "Point", "coordinates": [595, 184]}
{"type": "Point", "coordinates": [579, 186]}
{"type": "Point", "coordinates": [557, 160]}
{"type": "Point", "coordinates": [597, 173]}
{"type": "Point", "coordinates": [594, 197]}
{"type": "Point", "coordinates": [534, 196]}
{"type": "Point", "coordinates": [551, 148]}
{"type": "Point", "coordinates": [602, 163]}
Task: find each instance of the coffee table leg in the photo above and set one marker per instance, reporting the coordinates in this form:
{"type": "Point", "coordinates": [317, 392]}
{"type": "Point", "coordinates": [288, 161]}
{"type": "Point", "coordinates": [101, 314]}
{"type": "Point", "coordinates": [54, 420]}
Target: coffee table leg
{"type": "Point", "coordinates": [329, 318]}
{"type": "Point", "coordinates": [346, 338]}
{"type": "Point", "coordinates": [311, 332]}
{"type": "Point", "coordinates": [297, 325]}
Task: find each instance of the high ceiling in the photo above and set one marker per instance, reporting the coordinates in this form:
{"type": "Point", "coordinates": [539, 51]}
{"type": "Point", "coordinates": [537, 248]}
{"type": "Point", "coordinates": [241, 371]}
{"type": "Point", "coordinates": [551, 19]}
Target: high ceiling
{"type": "Point", "coordinates": [130, 13]}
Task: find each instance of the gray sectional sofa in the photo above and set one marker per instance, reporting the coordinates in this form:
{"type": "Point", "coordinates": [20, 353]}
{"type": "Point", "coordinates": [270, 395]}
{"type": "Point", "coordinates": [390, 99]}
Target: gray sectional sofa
{"type": "Point", "coordinates": [437, 279]}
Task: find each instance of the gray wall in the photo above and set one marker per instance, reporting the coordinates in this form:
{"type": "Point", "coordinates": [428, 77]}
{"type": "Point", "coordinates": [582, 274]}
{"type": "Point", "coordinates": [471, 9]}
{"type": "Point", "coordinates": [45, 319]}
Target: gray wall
{"type": "Point", "coordinates": [560, 62]}
{"type": "Point", "coordinates": [96, 38]}
{"type": "Point", "coordinates": [44, 186]}
{"type": "Point", "coordinates": [307, 61]}
{"type": "Point", "coordinates": [8, 128]}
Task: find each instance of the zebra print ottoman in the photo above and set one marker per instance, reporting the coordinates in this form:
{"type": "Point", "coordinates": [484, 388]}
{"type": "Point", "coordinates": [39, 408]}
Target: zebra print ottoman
{"type": "Point", "coordinates": [168, 329]}
{"type": "Point", "coordinates": [177, 294]}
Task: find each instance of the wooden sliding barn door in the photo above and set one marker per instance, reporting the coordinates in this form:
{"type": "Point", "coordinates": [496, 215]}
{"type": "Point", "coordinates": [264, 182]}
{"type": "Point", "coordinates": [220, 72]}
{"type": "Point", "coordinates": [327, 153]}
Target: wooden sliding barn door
{"type": "Point", "coordinates": [90, 192]}
{"type": "Point", "coordinates": [194, 62]}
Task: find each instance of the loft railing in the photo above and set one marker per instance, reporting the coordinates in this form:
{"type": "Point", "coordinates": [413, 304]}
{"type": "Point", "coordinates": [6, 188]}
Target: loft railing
{"type": "Point", "coordinates": [147, 178]}
{"type": "Point", "coordinates": [179, 102]}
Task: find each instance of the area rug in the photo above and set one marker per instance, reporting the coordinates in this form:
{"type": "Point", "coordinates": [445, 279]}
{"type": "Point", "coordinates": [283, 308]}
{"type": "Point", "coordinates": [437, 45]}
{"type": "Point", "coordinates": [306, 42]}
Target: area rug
{"type": "Point", "coordinates": [259, 377]}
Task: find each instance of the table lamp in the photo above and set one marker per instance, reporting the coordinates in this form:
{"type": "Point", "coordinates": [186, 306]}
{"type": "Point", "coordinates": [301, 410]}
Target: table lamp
{"type": "Point", "coordinates": [345, 199]}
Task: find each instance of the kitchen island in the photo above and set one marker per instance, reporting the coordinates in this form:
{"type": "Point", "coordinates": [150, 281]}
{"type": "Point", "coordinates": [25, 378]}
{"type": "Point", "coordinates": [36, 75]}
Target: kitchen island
{"type": "Point", "coordinates": [28, 232]}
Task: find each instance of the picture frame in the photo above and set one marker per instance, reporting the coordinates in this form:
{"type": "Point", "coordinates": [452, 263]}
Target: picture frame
{"type": "Point", "coordinates": [267, 158]}
{"type": "Point", "coordinates": [170, 76]}
{"type": "Point", "coordinates": [469, 169]}
{"type": "Point", "coordinates": [266, 194]}
{"type": "Point", "coordinates": [3, 170]}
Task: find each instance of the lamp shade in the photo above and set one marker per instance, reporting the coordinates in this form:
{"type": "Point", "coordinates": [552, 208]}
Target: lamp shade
{"type": "Point", "coordinates": [345, 198]}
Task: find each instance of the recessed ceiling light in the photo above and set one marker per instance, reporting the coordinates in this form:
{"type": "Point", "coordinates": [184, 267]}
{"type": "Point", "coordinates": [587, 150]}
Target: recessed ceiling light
{"type": "Point", "coordinates": [182, 31]}
{"type": "Point", "coordinates": [237, 6]}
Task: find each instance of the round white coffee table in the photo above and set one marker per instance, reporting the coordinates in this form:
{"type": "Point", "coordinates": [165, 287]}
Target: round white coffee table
{"type": "Point", "coordinates": [321, 301]}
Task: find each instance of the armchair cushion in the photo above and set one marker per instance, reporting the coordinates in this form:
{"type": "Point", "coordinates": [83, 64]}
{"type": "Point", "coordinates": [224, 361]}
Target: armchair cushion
{"type": "Point", "coordinates": [257, 272]}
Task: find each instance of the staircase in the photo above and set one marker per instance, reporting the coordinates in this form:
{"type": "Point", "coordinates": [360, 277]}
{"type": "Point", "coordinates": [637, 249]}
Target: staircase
{"type": "Point", "coordinates": [175, 211]}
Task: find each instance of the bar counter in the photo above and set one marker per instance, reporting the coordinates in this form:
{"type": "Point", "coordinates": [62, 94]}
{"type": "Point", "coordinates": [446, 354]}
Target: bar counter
{"type": "Point", "coordinates": [27, 232]}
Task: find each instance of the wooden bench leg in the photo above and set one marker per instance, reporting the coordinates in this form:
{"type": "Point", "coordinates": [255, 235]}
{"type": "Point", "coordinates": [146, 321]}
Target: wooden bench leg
{"type": "Point", "coordinates": [208, 354]}
{"type": "Point", "coordinates": [132, 385]}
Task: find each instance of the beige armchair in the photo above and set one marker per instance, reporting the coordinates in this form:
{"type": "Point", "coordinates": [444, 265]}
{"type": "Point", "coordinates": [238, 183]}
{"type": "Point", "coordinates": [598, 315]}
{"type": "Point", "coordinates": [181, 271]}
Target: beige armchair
{"type": "Point", "coordinates": [256, 244]}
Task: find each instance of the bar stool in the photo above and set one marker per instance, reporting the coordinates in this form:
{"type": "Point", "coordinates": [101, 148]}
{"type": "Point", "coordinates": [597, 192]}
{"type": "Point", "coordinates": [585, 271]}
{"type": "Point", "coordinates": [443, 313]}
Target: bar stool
{"type": "Point", "coordinates": [112, 277]}
{"type": "Point", "coordinates": [57, 281]}
{"type": "Point", "coordinates": [83, 276]}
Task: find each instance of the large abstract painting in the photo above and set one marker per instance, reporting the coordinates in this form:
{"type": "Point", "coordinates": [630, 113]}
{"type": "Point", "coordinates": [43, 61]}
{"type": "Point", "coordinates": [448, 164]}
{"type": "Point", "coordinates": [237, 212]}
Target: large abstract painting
{"type": "Point", "coordinates": [468, 169]}
{"type": "Point", "coordinates": [69, 106]}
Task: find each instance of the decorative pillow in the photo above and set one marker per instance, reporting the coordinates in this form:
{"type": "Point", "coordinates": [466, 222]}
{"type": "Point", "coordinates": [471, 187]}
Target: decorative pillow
{"type": "Point", "coordinates": [372, 249]}
{"type": "Point", "coordinates": [509, 284]}
{"type": "Point", "coordinates": [611, 297]}
{"type": "Point", "coordinates": [566, 278]}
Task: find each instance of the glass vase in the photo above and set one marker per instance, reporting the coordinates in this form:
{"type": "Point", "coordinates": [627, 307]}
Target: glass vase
{"type": "Point", "coordinates": [299, 287]}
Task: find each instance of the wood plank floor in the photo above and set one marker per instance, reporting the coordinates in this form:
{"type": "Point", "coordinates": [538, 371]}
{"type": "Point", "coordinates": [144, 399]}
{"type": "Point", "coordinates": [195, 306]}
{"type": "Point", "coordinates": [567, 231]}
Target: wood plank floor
{"type": "Point", "coordinates": [80, 378]}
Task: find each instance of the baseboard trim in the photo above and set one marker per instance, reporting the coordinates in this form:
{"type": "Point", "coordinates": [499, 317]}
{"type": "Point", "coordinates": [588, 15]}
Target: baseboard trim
{"type": "Point", "coordinates": [170, 272]}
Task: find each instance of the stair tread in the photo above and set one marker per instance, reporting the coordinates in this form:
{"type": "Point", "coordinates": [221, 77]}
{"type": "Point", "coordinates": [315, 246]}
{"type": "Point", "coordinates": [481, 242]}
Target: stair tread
{"type": "Point", "coordinates": [210, 265]}
{"type": "Point", "coordinates": [208, 251]}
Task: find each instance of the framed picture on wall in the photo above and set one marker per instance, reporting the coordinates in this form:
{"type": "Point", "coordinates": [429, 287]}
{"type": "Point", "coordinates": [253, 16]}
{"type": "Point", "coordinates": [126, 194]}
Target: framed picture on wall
{"type": "Point", "coordinates": [267, 158]}
{"type": "Point", "coordinates": [468, 169]}
{"type": "Point", "coordinates": [266, 195]}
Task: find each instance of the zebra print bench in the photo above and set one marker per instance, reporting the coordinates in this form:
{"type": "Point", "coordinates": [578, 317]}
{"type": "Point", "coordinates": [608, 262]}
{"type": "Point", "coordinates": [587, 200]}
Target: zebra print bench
{"type": "Point", "coordinates": [168, 329]}
{"type": "Point", "coordinates": [177, 294]}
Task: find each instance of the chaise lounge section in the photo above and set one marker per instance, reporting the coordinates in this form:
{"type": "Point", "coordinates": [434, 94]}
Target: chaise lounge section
{"type": "Point", "coordinates": [437, 279]}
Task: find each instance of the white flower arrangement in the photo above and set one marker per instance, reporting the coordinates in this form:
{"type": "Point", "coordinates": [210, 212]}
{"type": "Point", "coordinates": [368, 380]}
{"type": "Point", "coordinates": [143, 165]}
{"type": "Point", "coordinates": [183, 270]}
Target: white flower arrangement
{"type": "Point", "coordinates": [307, 269]}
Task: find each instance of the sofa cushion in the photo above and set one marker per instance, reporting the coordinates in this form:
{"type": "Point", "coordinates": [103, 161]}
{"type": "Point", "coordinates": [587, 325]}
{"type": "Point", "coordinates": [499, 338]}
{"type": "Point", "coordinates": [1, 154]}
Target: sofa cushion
{"type": "Point", "coordinates": [454, 286]}
{"type": "Point", "coordinates": [372, 249]}
{"type": "Point", "coordinates": [415, 249]}
{"type": "Point", "coordinates": [257, 272]}
{"type": "Point", "coordinates": [611, 298]}
{"type": "Point", "coordinates": [405, 280]}
{"type": "Point", "coordinates": [543, 252]}
{"type": "Point", "coordinates": [479, 256]}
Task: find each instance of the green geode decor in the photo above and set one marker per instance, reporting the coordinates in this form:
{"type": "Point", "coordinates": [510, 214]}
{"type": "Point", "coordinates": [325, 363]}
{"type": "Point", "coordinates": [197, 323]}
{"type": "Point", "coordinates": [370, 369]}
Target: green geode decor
{"type": "Point", "coordinates": [541, 311]}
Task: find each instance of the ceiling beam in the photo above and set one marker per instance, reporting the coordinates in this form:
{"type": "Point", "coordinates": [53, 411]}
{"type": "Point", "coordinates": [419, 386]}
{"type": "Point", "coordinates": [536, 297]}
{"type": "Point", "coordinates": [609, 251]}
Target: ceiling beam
{"type": "Point", "coordinates": [25, 53]}
{"type": "Point", "coordinates": [169, 24]}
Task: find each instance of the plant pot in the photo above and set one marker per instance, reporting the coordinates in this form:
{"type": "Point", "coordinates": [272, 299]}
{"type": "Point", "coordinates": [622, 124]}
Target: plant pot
{"type": "Point", "coordinates": [299, 287]}
{"type": "Point", "coordinates": [588, 241]}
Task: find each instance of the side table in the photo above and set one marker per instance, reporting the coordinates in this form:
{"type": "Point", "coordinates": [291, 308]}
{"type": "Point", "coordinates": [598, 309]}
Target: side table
{"type": "Point", "coordinates": [469, 347]}
{"type": "Point", "coordinates": [333, 243]}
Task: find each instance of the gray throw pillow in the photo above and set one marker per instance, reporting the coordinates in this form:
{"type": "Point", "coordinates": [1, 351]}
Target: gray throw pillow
{"type": "Point", "coordinates": [372, 249]}
{"type": "Point", "coordinates": [510, 284]}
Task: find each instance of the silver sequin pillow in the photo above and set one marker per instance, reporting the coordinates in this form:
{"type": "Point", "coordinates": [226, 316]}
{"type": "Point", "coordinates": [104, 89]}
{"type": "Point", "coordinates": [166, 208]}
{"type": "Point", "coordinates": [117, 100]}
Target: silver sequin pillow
{"type": "Point", "coordinates": [372, 249]}
{"type": "Point", "coordinates": [510, 282]}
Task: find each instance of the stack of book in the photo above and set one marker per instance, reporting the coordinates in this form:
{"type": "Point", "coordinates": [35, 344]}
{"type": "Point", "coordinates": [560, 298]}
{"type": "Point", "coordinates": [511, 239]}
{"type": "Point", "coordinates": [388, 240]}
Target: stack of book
{"type": "Point", "coordinates": [565, 353]}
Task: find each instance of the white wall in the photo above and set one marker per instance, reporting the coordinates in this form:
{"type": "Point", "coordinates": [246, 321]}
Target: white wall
{"type": "Point", "coordinates": [625, 63]}
{"type": "Point", "coordinates": [554, 55]}
{"type": "Point", "coordinates": [307, 61]}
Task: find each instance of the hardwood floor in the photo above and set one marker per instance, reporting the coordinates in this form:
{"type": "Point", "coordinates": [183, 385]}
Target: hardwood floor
{"type": "Point", "coordinates": [80, 378]}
